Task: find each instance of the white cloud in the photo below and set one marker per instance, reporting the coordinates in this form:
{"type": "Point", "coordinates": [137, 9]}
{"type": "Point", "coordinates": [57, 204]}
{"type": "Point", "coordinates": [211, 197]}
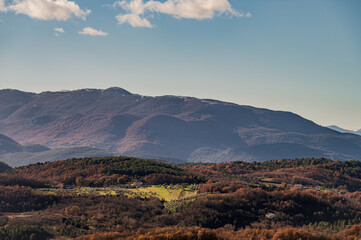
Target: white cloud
{"type": "Point", "coordinates": [92, 32]}
{"type": "Point", "coordinates": [134, 20]}
{"type": "Point", "coordinates": [59, 30]}
{"type": "Point", "coordinates": [60, 10]}
{"type": "Point", "coordinates": [190, 9]}
{"type": "Point", "coordinates": [193, 9]}
{"type": "Point", "coordinates": [2, 6]}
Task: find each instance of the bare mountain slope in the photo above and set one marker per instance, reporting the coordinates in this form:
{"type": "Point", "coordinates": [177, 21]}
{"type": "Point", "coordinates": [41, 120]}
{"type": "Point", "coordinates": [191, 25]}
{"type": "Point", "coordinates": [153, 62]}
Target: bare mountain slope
{"type": "Point", "coordinates": [168, 126]}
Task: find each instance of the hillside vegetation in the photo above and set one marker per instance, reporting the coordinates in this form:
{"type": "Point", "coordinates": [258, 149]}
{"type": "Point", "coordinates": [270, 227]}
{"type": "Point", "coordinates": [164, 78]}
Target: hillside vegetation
{"type": "Point", "coordinates": [107, 171]}
{"type": "Point", "coordinates": [310, 172]}
{"type": "Point", "coordinates": [132, 198]}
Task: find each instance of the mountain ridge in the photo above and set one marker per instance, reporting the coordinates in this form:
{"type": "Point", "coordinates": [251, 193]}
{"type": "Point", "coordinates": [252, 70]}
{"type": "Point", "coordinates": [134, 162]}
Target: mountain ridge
{"type": "Point", "coordinates": [173, 127]}
{"type": "Point", "coordinates": [343, 130]}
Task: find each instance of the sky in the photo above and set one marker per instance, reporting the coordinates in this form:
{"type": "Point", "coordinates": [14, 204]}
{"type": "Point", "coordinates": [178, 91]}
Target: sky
{"type": "Point", "coordinates": [302, 56]}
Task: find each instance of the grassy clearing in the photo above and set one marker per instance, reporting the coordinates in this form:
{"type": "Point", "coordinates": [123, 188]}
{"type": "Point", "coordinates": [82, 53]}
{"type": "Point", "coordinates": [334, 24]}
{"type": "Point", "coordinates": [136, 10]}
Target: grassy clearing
{"type": "Point", "coordinates": [167, 193]}
{"type": "Point", "coordinates": [81, 191]}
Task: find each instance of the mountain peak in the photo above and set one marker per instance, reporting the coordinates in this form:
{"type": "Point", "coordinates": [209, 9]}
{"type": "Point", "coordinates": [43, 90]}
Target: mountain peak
{"type": "Point", "coordinates": [116, 91]}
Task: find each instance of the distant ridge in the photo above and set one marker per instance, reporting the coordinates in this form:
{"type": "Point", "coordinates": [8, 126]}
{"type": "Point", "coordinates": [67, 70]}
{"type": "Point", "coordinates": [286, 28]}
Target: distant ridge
{"type": "Point", "coordinates": [170, 127]}
{"type": "Point", "coordinates": [342, 130]}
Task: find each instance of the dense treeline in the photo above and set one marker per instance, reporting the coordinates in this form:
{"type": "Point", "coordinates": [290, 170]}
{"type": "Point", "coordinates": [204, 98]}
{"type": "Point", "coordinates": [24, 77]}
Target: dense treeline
{"type": "Point", "coordinates": [247, 207]}
{"type": "Point", "coordinates": [16, 180]}
{"type": "Point", "coordinates": [239, 201]}
{"type": "Point", "coordinates": [140, 167]}
{"type": "Point", "coordinates": [24, 233]}
{"type": "Point", "coordinates": [247, 167]}
{"type": "Point", "coordinates": [96, 172]}
{"type": "Point", "coordinates": [307, 171]}
{"type": "Point", "coordinates": [350, 168]}
{"type": "Point", "coordinates": [23, 199]}
{"type": "Point", "coordinates": [196, 233]}
{"type": "Point", "coordinates": [232, 210]}
{"type": "Point", "coordinates": [109, 213]}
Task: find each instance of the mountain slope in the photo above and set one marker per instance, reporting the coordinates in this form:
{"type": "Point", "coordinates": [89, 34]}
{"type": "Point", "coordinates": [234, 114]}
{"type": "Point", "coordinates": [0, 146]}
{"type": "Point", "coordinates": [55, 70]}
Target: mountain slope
{"type": "Point", "coordinates": [8, 145]}
{"type": "Point", "coordinates": [25, 158]}
{"type": "Point", "coordinates": [15, 154]}
{"type": "Point", "coordinates": [4, 167]}
{"type": "Point", "coordinates": [168, 126]}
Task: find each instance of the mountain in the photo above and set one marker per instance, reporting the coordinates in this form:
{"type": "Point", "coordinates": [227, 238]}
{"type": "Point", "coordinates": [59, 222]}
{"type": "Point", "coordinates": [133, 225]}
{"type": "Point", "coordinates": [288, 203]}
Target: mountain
{"type": "Point", "coordinates": [342, 130]}
{"type": "Point", "coordinates": [8, 145]}
{"type": "Point", "coordinates": [172, 127]}
{"type": "Point", "coordinates": [25, 158]}
{"type": "Point", "coordinates": [4, 167]}
{"type": "Point", "coordinates": [15, 154]}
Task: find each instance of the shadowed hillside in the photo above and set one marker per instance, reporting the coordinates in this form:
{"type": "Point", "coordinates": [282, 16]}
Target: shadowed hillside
{"type": "Point", "coordinates": [171, 127]}
{"type": "Point", "coordinates": [4, 167]}
{"type": "Point", "coordinates": [15, 154]}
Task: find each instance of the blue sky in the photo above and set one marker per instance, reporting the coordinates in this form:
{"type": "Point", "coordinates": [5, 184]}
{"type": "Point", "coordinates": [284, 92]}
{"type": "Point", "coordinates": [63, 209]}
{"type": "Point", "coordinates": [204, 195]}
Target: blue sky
{"type": "Point", "coordinates": [300, 56]}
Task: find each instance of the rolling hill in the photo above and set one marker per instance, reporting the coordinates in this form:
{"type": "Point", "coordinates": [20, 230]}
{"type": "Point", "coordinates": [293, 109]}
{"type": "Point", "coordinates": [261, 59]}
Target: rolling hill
{"type": "Point", "coordinates": [172, 127]}
{"type": "Point", "coordinates": [105, 171]}
{"type": "Point", "coordinates": [15, 154]}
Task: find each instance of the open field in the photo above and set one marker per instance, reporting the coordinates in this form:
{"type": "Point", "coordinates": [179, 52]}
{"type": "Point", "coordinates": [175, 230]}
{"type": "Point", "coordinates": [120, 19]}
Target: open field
{"type": "Point", "coordinates": [166, 193]}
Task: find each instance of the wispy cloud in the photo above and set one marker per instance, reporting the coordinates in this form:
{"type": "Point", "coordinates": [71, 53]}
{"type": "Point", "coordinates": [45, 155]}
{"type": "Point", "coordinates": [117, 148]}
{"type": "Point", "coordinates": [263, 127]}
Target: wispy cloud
{"type": "Point", "coordinates": [60, 10]}
{"type": "Point", "coordinates": [134, 20]}
{"type": "Point", "coordinates": [92, 32]}
{"type": "Point", "coordinates": [136, 10]}
{"type": "Point", "coordinates": [59, 30]}
{"type": "Point", "coordinates": [2, 6]}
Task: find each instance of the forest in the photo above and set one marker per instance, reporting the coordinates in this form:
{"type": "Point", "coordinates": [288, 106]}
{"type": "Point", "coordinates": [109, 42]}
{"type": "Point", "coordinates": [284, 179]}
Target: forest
{"type": "Point", "coordinates": [132, 198]}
